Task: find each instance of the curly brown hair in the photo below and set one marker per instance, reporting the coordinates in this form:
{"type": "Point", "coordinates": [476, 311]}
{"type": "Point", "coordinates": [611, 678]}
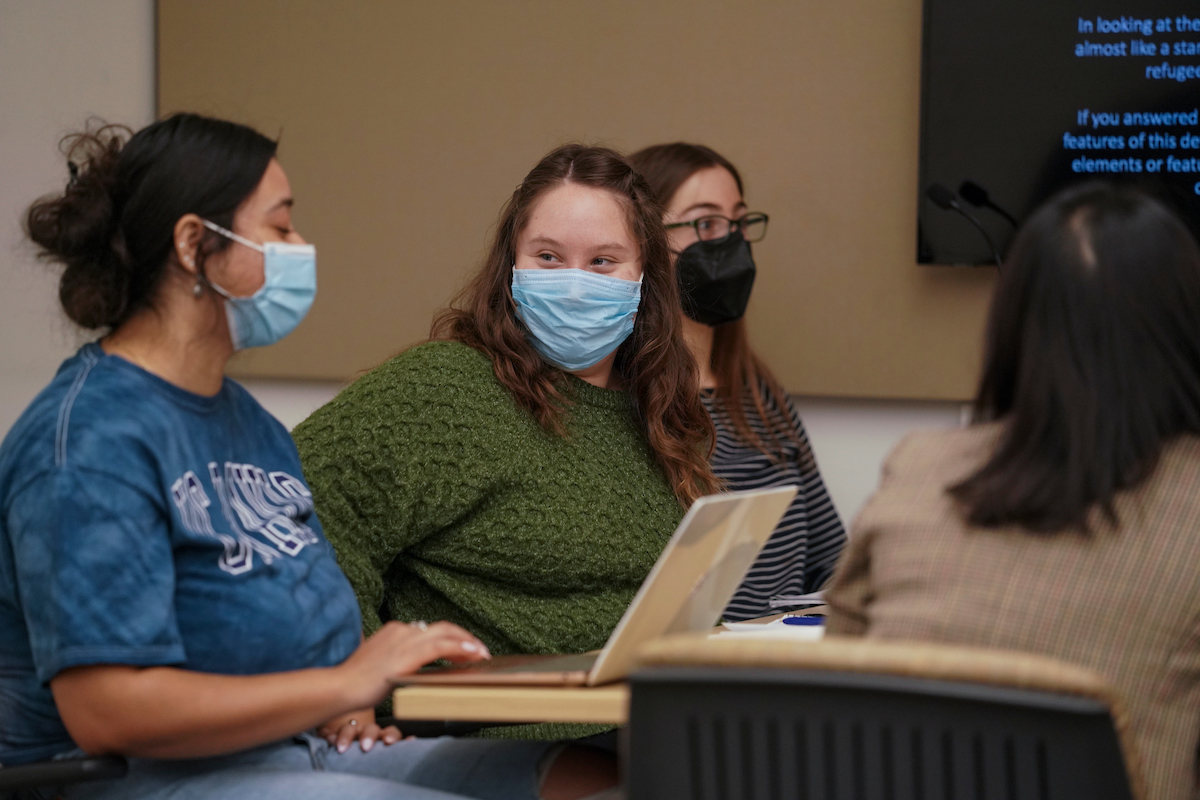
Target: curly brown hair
{"type": "Point", "coordinates": [654, 362]}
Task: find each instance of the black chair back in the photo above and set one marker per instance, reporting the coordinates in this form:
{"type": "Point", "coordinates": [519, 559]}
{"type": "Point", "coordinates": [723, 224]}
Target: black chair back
{"type": "Point", "coordinates": [751, 733]}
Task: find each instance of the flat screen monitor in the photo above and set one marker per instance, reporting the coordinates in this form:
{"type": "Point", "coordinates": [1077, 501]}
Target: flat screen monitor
{"type": "Point", "coordinates": [1021, 98]}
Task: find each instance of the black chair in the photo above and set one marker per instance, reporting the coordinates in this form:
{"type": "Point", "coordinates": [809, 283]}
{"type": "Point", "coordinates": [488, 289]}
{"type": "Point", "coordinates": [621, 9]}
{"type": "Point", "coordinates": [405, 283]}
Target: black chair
{"type": "Point", "coordinates": [724, 720]}
{"type": "Point", "coordinates": [17, 782]}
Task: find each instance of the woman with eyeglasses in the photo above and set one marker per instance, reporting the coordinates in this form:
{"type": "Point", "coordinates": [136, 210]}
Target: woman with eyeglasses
{"type": "Point", "coordinates": [760, 439]}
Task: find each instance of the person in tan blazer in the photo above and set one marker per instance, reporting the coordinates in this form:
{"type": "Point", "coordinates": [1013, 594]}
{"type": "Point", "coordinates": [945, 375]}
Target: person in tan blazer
{"type": "Point", "coordinates": [1066, 520]}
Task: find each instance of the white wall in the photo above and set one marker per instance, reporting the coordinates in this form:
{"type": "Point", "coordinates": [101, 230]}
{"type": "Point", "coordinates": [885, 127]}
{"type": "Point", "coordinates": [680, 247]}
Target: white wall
{"type": "Point", "coordinates": [62, 61]}
{"type": "Point", "coordinates": [851, 438]}
{"type": "Point", "coordinates": [291, 401]}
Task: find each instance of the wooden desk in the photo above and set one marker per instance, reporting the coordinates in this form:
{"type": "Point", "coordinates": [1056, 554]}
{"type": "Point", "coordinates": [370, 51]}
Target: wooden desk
{"type": "Point", "coordinates": [606, 704]}
{"type": "Point", "coordinates": [511, 704]}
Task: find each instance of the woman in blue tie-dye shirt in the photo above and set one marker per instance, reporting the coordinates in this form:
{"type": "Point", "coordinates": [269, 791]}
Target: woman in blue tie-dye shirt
{"type": "Point", "coordinates": [166, 591]}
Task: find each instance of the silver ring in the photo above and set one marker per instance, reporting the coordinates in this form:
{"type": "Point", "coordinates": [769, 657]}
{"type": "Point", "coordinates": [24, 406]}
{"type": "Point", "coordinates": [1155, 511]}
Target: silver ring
{"type": "Point", "coordinates": [421, 625]}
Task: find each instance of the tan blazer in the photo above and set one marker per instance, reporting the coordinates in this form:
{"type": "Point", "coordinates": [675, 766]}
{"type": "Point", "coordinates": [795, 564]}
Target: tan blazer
{"type": "Point", "coordinates": [1124, 601]}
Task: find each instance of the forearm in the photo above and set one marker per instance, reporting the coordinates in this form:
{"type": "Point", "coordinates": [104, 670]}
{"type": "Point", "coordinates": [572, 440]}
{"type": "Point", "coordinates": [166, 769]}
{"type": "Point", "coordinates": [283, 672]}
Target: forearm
{"type": "Point", "coordinates": [164, 712]}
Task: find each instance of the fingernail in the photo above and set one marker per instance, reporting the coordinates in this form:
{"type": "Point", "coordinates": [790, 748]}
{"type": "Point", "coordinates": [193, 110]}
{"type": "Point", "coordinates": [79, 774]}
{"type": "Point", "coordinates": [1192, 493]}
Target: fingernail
{"type": "Point", "coordinates": [367, 744]}
{"type": "Point", "coordinates": [470, 647]}
{"type": "Point", "coordinates": [342, 747]}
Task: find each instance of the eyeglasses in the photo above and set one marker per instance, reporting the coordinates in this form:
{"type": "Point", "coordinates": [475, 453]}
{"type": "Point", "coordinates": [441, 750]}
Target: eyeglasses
{"type": "Point", "coordinates": [714, 227]}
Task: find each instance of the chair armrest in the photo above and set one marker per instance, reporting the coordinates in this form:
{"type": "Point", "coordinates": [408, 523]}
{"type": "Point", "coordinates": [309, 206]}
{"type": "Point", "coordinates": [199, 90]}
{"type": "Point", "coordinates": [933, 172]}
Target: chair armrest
{"type": "Point", "coordinates": [916, 659]}
{"type": "Point", "coordinates": [62, 772]}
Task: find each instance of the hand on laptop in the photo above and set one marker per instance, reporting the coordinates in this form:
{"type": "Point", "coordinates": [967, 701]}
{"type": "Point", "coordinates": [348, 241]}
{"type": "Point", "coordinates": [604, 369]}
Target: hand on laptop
{"type": "Point", "coordinates": [398, 649]}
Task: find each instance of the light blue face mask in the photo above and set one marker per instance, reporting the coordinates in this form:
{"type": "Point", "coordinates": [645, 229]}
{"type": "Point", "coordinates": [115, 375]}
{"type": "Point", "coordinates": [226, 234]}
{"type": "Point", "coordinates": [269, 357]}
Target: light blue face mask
{"type": "Point", "coordinates": [286, 295]}
{"type": "Point", "coordinates": [575, 317]}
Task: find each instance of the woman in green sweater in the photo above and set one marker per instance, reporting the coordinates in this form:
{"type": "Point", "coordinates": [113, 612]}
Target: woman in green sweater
{"type": "Point", "coordinates": [520, 473]}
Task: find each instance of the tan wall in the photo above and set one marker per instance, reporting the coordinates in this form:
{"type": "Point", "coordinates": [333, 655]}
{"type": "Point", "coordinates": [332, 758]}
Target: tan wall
{"type": "Point", "coordinates": [405, 126]}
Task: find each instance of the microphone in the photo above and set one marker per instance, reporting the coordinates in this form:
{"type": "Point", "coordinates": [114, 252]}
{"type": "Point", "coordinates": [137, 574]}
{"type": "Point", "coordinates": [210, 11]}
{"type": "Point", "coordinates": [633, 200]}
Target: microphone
{"type": "Point", "coordinates": [944, 198]}
{"type": "Point", "coordinates": [978, 196]}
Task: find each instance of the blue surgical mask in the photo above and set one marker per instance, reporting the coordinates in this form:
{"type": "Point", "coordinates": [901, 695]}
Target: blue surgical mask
{"type": "Point", "coordinates": [575, 317]}
{"type": "Point", "coordinates": [287, 292]}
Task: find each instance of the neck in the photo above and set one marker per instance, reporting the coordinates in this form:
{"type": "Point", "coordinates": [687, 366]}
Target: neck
{"type": "Point", "coordinates": [184, 340]}
{"type": "Point", "coordinates": [602, 374]}
{"type": "Point", "coordinates": [699, 340]}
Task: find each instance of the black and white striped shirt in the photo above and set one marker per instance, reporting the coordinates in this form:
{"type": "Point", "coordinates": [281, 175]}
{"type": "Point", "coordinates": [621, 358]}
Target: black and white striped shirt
{"type": "Point", "coordinates": [801, 553]}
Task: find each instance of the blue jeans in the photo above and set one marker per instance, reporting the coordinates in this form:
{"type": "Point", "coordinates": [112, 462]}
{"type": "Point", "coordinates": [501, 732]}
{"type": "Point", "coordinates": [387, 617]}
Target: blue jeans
{"type": "Point", "coordinates": [308, 768]}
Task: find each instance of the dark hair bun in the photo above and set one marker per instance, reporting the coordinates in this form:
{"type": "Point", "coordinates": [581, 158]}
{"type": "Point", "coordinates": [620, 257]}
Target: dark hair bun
{"type": "Point", "coordinates": [113, 227]}
{"type": "Point", "coordinates": [78, 227]}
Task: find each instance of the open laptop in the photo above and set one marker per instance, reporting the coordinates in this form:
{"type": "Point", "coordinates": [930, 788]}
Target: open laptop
{"type": "Point", "coordinates": [690, 585]}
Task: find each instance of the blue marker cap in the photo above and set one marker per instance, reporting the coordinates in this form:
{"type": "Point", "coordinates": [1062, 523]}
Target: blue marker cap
{"type": "Point", "coordinates": [803, 620]}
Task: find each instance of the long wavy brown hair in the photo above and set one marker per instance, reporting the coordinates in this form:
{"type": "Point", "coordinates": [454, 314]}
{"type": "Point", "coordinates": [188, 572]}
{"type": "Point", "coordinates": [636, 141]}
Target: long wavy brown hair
{"type": "Point", "coordinates": [744, 382]}
{"type": "Point", "coordinates": [654, 362]}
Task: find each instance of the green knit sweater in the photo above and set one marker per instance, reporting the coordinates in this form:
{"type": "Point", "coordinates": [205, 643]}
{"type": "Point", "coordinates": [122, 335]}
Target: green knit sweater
{"type": "Point", "coordinates": [444, 500]}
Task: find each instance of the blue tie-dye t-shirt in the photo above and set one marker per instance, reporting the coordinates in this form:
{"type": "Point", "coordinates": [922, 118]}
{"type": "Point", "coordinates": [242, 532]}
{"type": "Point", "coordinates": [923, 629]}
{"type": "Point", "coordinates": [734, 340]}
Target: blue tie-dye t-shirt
{"type": "Point", "coordinates": [145, 525]}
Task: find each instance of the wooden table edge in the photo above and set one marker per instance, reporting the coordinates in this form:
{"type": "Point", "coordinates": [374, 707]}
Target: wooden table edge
{"type": "Point", "coordinates": [599, 704]}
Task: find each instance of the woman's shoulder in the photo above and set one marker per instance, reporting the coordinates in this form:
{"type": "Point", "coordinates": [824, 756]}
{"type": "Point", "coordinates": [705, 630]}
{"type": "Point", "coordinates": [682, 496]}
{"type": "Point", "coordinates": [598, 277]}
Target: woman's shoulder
{"type": "Point", "coordinates": [429, 365]}
{"type": "Point", "coordinates": [940, 454]}
{"type": "Point", "coordinates": [916, 475]}
{"type": "Point", "coordinates": [439, 354]}
{"type": "Point", "coordinates": [1178, 469]}
{"type": "Point", "coordinates": [779, 402]}
{"type": "Point", "coordinates": [102, 414]}
{"type": "Point", "coordinates": [1183, 451]}
{"type": "Point", "coordinates": [84, 389]}
{"type": "Point", "coordinates": [441, 379]}
{"type": "Point", "coordinates": [31, 444]}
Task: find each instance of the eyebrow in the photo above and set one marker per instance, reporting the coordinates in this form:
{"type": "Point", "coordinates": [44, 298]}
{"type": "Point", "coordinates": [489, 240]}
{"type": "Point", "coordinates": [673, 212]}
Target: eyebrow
{"type": "Point", "coordinates": [552, 243]}
{"type": "Point", "coordinates": [708, 206]}
{"type": "Point", "coordinates": [286, 202]}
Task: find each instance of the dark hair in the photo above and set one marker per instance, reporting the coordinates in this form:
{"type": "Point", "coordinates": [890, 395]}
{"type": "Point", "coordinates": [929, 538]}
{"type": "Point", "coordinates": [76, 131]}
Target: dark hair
{"type": "Point", "coordinates": [1092, 361]}
{"type": "Point", "coordinates": [666, 166]}
{"type": "Point", "coordinates": [654, 361]}
{"type": "Point", "coordinates": [113, 228]}
{"type": "Point", "coordinates": [743, 380]}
